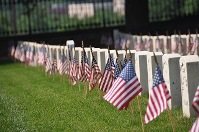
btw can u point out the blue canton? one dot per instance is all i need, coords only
(112, 61)
(117, 69)
(158, 78)
(48, 55)
(128, 72)
(85, 58)
(125, 62)
(107, 65)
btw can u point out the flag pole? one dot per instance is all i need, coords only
(168, 110)
(61, 76)
(83, 64)
(64, 74)
(69, 58)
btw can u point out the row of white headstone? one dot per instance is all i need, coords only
(181, 73)
(168, 44)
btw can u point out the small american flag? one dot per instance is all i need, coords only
(48, 62)
(17, 53)
(195, 45)
(95, 74)
(73, 71)
(125, 62)
(12, 51)
(176, 43)
(107, 78)
(190, 43)
(181, 46)
(86, 66)
(32, 54)
(23, 57)
(62, 65)
(112, 65)
(195, 102)
(117, 69)
(82, 75)
(41, 57)
(159, 95)
(54, 67)
(124, 89)
(195, 127)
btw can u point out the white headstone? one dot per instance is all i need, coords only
(171, 73)
(189, 81)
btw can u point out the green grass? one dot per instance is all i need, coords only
(32, 101)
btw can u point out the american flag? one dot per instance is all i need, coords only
(181, 46)
(124, 89)
(12, 52)
(82, 75)
(190, 43)
(41, 57)
(107, 78)
(32, 54)
(195, 45)
(195, 127)
(23, 57)
(86, 66)
(159, 95)
(195, 102)
(54, 67)
(28, 54)
(17, 53)
(117, 69)
(48, 62)
(62, 65)
(112, 65)
(95, 74)
(148, 43)
(73, 71)
(176, 43)
(168, 43)
(125, 62)
(158, 44)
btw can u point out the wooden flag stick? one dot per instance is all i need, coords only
(138, 99)
(131, 108)
(171, 119)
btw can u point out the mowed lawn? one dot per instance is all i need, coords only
(32, 101)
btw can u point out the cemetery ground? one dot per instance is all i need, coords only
(32, 101)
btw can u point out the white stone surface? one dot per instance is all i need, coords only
(102, 58)
(141, 69)
(171, 73)
(189, 82)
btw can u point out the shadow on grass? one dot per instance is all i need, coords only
(6, 60)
